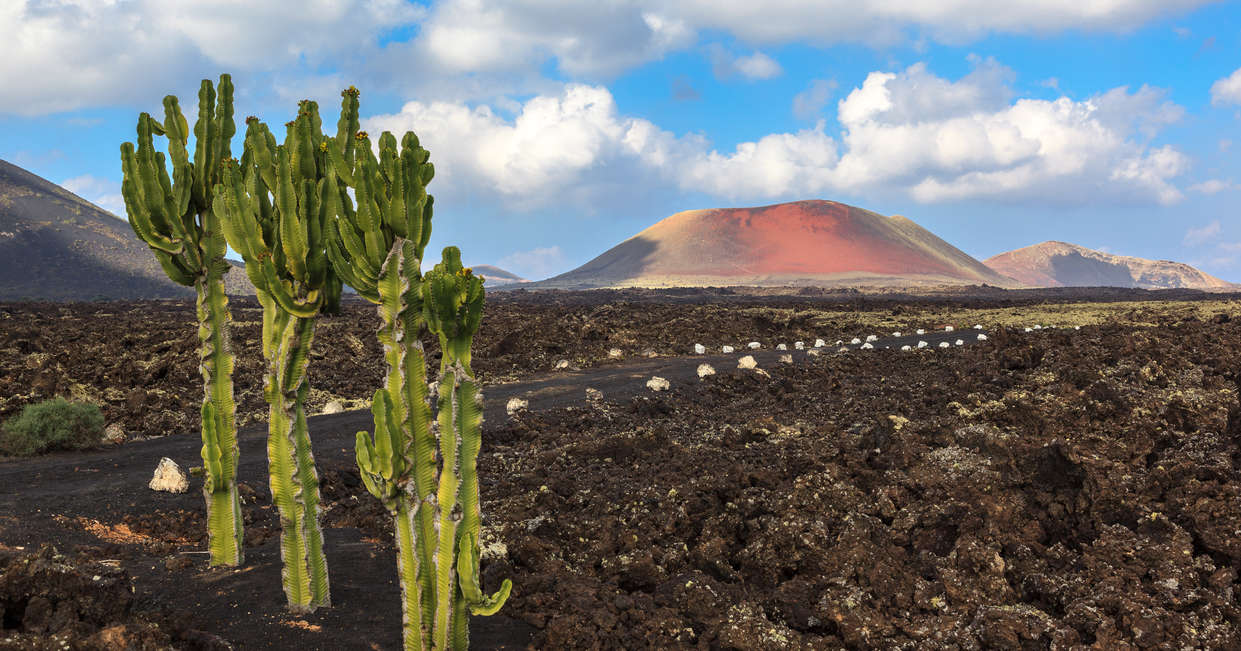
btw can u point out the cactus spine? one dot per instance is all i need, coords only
(283, 244)
(378, 251)
(176, 219)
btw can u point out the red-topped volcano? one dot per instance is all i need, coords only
(800, 243)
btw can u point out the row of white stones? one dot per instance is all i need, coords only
(700, 349)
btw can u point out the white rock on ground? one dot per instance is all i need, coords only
(799, 345)
(114, 434)
(867, 346)
(1038, 327)
(920, 331)
(949, 328)
(842, 349)
(839, 342)
(562, 364)
(705, 369)
(960, 342)
(727, 349)
(786, 359)
(923, 344)
(977, 326)
(906, 347)
(944, 344)
(982, 337)
(1077, 327)
(1029, 329)
(855, 340)
(896, 334)
(819, 343)
(515, 405)
(872, 337)
(747, 362)
(657, 383)
(781, 347)
(754, 345)
(333, 407)
(169, 477)
(700, 349)
(615, 353)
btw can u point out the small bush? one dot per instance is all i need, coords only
(55, 424)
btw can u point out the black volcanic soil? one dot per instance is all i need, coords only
(1052, 489)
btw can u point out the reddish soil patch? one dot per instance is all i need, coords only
(1037, 490)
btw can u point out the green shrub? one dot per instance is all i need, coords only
(55, 424)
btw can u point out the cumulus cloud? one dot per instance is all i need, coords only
(101, 51)
(910, 132)
(1227, 90)
(102, 192)
(810, 102)
(1202, 234)
(726, 65)
(535, 264)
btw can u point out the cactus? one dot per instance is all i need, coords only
(284, 245)
(176, 219)
(378, 251)
(453, 308)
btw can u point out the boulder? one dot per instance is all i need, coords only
(169, 477)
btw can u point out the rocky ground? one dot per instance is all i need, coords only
(1057, 488)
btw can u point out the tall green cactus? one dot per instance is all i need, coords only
(283, 242)
(453, 307)
(378, 251)
(176, 219)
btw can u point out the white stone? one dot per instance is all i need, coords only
(839, 342)
(705, 369)
(867, 346)
(169, 477)
(948, 328)
(923, 344)
(727, 349)
(1038, 327)
(700, 349)
(977, 327)
(896, 334)
(872, 337)
(615, 353)
(781, 347)
(906, 347)
(657, 383)
(819, 343)
(754, 345)
(842, 349)
(799, 345)
(920, 331)
(562, 364)
(1029, 329)
(944, 344)
(1077, 327)
(855, 340)
(960, 342)
(786, 359)
(333, 407)
(515, 405)
(982, 337)
(747, 362)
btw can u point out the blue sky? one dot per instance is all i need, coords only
(560, 128)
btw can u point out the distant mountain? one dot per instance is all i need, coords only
(1060, 264)
(494, 276)
(806, 243)
(55, 245)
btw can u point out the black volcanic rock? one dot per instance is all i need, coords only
(56, 246)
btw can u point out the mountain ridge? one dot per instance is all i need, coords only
(1055, 263)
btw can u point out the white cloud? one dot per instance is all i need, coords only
(1211, 186)
(810, 102)
(1202, 234)
(724, 65)
(535, 264)
(1227, 90)
(102, 192)
(90, 52)
(909, 132)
